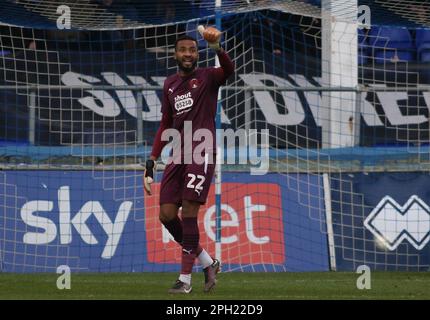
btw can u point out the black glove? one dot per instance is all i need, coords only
(148, 176)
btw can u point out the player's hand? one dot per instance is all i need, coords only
(211, 35)
(148, 176)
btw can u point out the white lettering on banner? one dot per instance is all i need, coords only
(295, 113)
(313, 98)
(293, 116)
(249, 209)
(320, 115)
(389, 102)
(109, 108)
(426, 95)
(49, 227)
(209, 223)
(126, 97)
(389, 99)
(128, 100)
(369, 114)
(113, 230)
(151, 98)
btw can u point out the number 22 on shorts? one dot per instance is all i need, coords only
(198, 187)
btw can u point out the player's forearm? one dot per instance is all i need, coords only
(225, 62)
(158, 145)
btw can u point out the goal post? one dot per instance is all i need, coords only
(339, 54)
(218, 167)
(340, 110)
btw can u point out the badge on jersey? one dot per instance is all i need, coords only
(194, 83)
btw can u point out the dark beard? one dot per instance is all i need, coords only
(184, 69)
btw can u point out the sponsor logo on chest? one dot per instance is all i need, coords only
(184, 102)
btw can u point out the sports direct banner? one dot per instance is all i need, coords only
(110, 116)
(382, 220)
(101, 221)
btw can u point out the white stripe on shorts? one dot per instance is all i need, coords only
(206, 162)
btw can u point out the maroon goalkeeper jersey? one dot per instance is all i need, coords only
(192, 98)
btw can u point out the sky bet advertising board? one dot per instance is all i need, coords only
(102, 222)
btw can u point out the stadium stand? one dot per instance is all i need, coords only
(391, 44)
(422, 41)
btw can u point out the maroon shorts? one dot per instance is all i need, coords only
(186, 182)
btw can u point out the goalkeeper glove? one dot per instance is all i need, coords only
(148, 177)
(214, 45)
(211, 35)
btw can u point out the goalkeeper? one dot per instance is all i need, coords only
(189, 95)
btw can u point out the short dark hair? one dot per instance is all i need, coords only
(184, 37)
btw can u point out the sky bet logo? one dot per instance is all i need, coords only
(45, 231)
(393, 223)
(251, 221)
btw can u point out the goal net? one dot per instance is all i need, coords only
(325, 114)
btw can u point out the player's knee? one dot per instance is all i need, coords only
(167, 213)
(163, 217)
(166, 216)
(190, 209)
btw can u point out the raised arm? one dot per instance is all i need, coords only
(213, 37)
(226, 67)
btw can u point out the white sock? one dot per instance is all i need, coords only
(205, 259)
(186, 278)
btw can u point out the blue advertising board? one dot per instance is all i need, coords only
(98, 221)
(382, 220)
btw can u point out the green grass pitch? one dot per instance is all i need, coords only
(237, 286)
